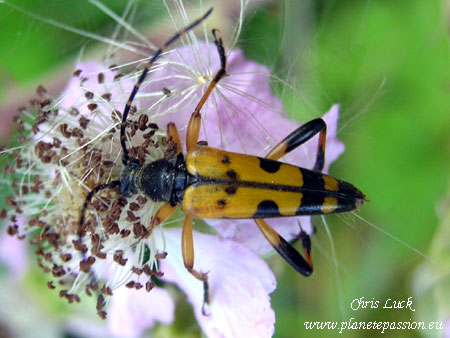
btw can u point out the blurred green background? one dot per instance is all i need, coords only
(385, 62)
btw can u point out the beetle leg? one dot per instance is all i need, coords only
(193, 130)
(306, 243)
(300, 136)
(81, 230)
(172, 133)
(187, 249)
(289, 143)
(161, 215)
(287, 251)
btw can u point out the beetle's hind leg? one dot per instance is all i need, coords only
(286, 250)
(306, 244)
(301, 264)
(299, 136)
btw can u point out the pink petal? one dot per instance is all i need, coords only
(134, 311)
(182, 72)
(240, 284)
(446, 333)
(13, 252)
(238, 101)
(75, 95)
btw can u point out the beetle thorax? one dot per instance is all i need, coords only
(163, 180)
(155, 180)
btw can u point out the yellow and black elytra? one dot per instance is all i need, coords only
(212, 183)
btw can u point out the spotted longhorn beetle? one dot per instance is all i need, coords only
(212, 183)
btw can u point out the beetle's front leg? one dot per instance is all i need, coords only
(163, 213)
(172, 134)
(193, 130)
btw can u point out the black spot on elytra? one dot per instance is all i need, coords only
(267, 209)
(221, 202)
(269, 166)
(226, 159)
(230, 190)
(232, 174)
